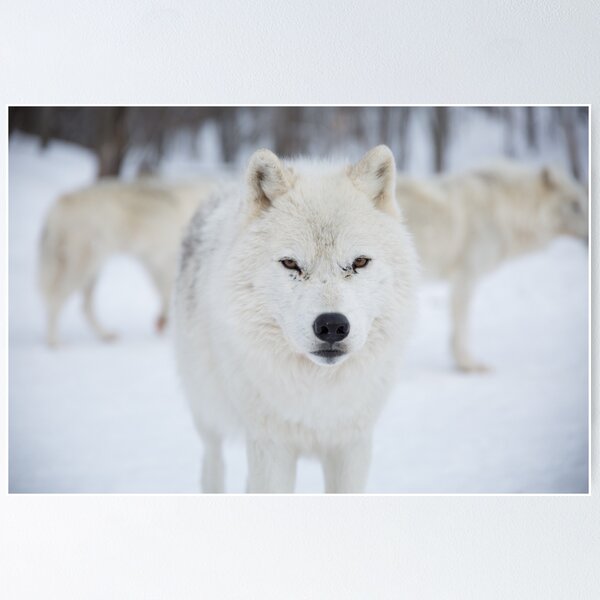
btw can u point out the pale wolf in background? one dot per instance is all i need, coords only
(292, 301)
(85, 228)
(466, 225)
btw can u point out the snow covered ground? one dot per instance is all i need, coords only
(111, 418)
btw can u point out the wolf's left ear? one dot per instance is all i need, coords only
(375, 175)
(267, 178)
(546, 176)
(550, 177)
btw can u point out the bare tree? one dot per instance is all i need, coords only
(229, 131)
(111, 140)
(46, 125)
(288, 138)
(385, 113)
(531, 132)
(509, 131)
(403, 130)
(439, 121)
(568, 123)
(356, 118)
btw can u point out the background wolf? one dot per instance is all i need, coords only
(466, 225)
(85, 228)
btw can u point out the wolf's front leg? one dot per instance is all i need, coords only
(271, 467)
(162, 275)
(461, 295)
(88, 309)
(213, 468)
(346, 467)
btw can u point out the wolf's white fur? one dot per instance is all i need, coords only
(466, 225)
(243, 322)
(86, 227)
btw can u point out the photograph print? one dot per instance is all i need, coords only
(309, 299)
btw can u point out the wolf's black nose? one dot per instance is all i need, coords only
(331, 327)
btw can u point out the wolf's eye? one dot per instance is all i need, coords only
(289, 263)
(360, 262)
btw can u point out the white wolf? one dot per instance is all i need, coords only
(465, 225)
(86, 227)
(292, 301)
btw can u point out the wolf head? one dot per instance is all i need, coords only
(324, 264)
(568, 201)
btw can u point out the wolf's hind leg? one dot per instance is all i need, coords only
(88, 309)
(163, 280)
(213, 467)
(53, 307)
(462, 293)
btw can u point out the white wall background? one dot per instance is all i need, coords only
(298, 547)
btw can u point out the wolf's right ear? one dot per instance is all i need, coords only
(267, 178)
(547, 177)
(375, 175)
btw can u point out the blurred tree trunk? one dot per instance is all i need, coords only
(288, 140)
(405, 115)
(509, 131)
(384, 125)
(15, 120)
(111, 140)
(46, 125)
(159, 137)
(531, 127)
(440, 129)
(358, 129)
(229, 134)
(554, 123)
(569, 126)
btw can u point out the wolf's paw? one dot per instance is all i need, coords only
(472, 366)
(161, 323)
(109, 337)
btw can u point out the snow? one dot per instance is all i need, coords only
(91, 417)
